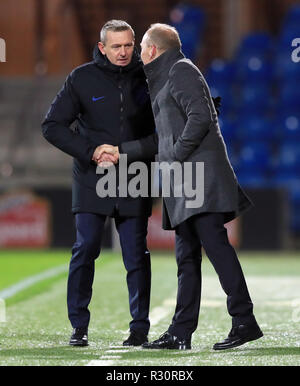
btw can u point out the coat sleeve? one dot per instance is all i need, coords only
(143, 148)
(188, 90)
(56, 127)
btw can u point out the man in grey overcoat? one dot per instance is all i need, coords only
(189, 135)
(188, 132)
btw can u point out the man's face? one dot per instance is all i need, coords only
(145, 51)
(118, 47)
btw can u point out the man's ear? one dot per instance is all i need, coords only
(153, 52)
(101, 48)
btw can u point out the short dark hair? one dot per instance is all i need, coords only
(115, 26)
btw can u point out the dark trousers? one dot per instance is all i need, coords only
(132, 232)
(207, 230)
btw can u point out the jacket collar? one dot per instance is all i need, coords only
(102, 62)
(157, 71)
(161, 66)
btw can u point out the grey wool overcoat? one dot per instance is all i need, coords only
(188, 132)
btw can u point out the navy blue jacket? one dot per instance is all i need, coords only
(109, 104)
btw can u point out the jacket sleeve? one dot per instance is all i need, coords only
(56, 127)
(188, 90)
(143, 148)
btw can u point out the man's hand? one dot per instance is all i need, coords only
(106, 155)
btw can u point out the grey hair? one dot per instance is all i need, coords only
(163, 36)
(115, 26)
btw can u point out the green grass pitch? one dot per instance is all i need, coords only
(37, 330)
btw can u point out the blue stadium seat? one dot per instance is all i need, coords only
(289, 157)
(250, 179)
(289, 126)
(289, 95)
(247, 87)
(256, 128)
(246, 110)
(284, 67)
(282, 178)
(232, 155)
(254, 69)
(189, 21)
(286, 37)
(292, 18)
(220, 72)
(254, 98)
(255, 93)
(255, 157)
(228, 129)
(255, 44)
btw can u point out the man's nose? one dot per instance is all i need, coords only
(123, 51)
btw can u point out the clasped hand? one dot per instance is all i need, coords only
(106, 155)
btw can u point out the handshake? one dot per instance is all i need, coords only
(106, 155)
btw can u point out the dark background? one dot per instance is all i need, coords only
(243, 47)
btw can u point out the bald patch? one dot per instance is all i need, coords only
(163, 36)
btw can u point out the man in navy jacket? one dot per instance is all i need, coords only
(109, 101)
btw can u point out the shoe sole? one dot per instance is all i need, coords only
(132, 345)
(252, 338)
(78, 344)
(167, 348)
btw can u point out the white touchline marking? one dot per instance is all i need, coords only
(156, 315)
(213, 303)
(116, 347)
(100, 363)
(213, 297)
(29, 281)
(160, 312)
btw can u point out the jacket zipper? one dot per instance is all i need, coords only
(121, 130)
(121, 109)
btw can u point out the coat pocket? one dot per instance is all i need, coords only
(166, 148)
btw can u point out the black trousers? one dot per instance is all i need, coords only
(132, 232)
(207, 230)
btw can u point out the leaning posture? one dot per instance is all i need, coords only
(188, 131)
